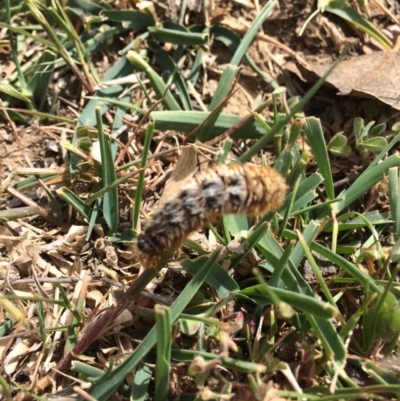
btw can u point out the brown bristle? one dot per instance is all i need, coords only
(202, 198)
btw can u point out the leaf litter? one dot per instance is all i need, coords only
(375, 76)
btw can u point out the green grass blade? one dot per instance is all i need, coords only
(307, 191)
(164, 344)
(120, 69)
(315, 135)
(5, 389)
(384, 152)
(179, 37)
(316, 271)
(18, 213)
(251, 241)
(373, 218)
(49, 45)
(285, 158)
(230, 72)
(218, 278)
(275, 256)
(365, 182)
(54, 205)
(232, 41)
(11, 91)
(394, 199)
(39, 84)
(84, 8)
(169, 66)
(301, 302)
(277, 127)
(186, 355)
(222, 91)
(75, 201)
(250, 34)
(228, 37)
(187, 121)
(350, 268)
(103, 100)
(140, 184)
(236, 224)
(130, 19)
(110, 200)
(92, 198)
(353, 17)
(296, 258)
(157, 83)
(120, 115)
(141, 382)
(330, 339)
(290, 276)
(105, 388)
(280, 266)
(382, 375)
(94, 217)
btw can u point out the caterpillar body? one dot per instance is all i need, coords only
(225, 189)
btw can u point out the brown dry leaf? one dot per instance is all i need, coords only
(16, 355)
(100, 246)
(200, 239)
(185, 166)
(123, 319)
(71, 243)
(64, 265)
(80, 291)
(236, 247)
(26, 253)
(109, 273)
(267, 392)
(374, 75)
(96, 296)
(219, 14)
(4, 347)
(111, 258)
(74, 240)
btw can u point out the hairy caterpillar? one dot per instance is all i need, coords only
(202, 198)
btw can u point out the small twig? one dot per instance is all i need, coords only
(346, 180)
(46, 280)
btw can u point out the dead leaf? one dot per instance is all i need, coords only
(64, 265)
(374, 76)
(236, 247)
(111, 258)
(123, 319)
(109, 273)
(185, 166)
(15, 356)
(96, 296)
